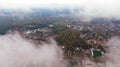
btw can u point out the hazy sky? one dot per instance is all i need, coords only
(103, 8)
(26, 3)
(19, 3)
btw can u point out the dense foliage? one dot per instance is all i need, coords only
(59, 28)
(71, 40)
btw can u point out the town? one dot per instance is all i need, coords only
(93, 36)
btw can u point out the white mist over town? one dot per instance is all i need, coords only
(59, 33)
(15, 51)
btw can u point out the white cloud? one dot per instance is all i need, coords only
(15, 51)
(102, 8)
(94, 8)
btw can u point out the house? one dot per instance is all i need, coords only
(96, 52)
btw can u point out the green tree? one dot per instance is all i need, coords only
(71, 40)
(59, 28)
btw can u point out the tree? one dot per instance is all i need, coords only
(71, 40)
(59, 28)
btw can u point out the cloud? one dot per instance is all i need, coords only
(91, 8)
(113, 55)
(101, 8)
(15, 51)
(110, 59)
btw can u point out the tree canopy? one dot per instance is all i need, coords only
(70, 39)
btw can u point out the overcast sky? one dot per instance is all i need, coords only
(105, 8)
(18, 3)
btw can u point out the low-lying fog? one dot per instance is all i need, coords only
(110, 59)
(15, 51)
(18, 52)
